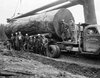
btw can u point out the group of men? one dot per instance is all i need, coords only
(36, 43)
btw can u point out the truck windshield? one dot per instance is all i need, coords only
(92, 31)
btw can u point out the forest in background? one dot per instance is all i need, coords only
(2, 32)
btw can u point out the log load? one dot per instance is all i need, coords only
(47, 22)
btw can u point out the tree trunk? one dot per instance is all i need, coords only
(41, 23)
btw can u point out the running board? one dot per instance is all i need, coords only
(89, 53)
(67, 43)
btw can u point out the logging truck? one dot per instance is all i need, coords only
(87, 36)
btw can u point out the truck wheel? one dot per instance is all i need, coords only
(53, 51)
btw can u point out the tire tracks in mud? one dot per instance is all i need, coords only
(62, 64)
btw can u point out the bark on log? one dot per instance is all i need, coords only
(41, 23)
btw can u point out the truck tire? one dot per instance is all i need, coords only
(53, 51)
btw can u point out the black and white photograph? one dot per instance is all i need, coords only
(49, 38)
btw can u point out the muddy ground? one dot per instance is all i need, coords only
(19, 64)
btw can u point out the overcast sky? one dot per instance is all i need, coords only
(8, 7)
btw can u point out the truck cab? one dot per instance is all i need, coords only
(91, 39)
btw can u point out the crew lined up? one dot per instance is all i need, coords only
(33, 43)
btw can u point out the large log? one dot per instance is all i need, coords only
(47, 22)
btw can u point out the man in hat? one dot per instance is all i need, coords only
(13, 41)
(26, 42)
(21, 40)
(65, 31)
(16, 41)
(74, 31)
(31, 43)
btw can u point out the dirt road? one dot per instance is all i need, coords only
(14, 67)
(19, 64)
